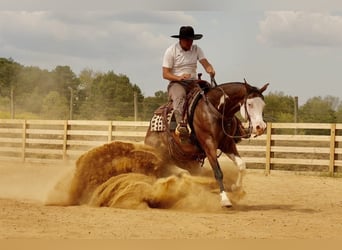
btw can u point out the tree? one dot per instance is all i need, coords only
(339, 114)
(279, 108)
(9, 71)
(110, 96)
(67, 85)
(33, 85)
(150, 104)
(318, 110)
(55, 106)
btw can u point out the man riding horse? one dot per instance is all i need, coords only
(209, 111)
(179, 67)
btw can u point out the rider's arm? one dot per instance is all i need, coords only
(167, 74)
(208, 67)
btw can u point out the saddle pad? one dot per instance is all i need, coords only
(157, 123)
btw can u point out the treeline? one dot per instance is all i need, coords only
(32, 93)
(284, 108)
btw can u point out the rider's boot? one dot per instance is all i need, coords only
(182, 129)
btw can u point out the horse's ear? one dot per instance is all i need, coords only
(246, 83)
(264, 88)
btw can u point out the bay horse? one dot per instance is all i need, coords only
(211, 114)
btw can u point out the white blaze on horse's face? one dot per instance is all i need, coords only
(255, 108)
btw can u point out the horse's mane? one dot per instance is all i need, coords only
(231, 83)
(249, 88)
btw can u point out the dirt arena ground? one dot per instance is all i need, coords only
(279, 206)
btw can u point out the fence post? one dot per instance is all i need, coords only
(23, 141)
(65, 139)
(268, 148)
(110, 130)
(332, 149)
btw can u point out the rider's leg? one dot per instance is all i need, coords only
(177, 94)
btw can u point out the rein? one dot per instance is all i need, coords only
(213, 82)
(248, 119)
(225, 119)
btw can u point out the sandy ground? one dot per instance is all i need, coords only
(279, 206)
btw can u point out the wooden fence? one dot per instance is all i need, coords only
(55, 140)
(285, 146)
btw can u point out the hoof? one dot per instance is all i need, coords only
(226, 203)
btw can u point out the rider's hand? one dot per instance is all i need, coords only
(184, 77)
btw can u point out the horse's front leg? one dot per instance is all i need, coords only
(225, 202)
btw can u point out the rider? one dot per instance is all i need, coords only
(179, 67)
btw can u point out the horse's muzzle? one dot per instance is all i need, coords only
(260, 129)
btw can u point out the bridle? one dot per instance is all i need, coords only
(250, 128)
(222, 115)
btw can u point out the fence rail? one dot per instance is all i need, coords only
(286, 146)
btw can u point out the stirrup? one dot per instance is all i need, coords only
(182, 130)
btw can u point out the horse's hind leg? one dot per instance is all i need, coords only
(241, 165)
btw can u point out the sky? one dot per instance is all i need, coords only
(295, 45)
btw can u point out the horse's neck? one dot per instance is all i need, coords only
(233, 93)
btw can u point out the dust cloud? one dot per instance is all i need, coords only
(29, 181)
(135, 176)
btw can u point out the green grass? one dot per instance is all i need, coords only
(22, 115)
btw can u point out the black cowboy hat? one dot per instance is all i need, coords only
(187, 32)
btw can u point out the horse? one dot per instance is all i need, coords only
(212, 119)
